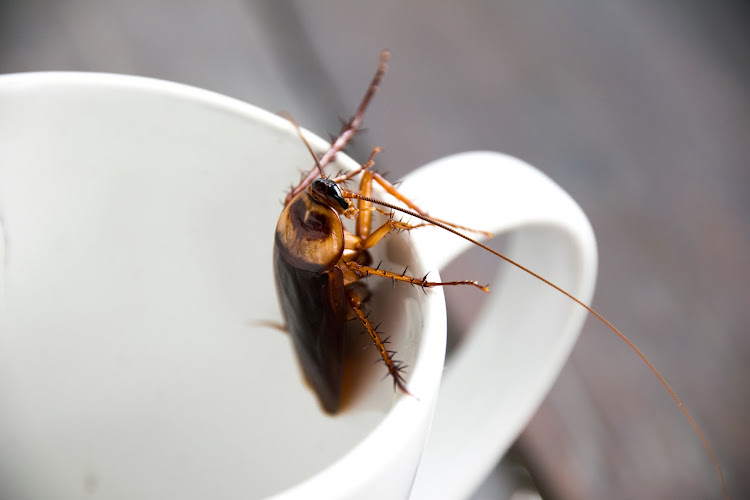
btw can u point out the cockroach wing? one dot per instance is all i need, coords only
(309, 243)
(314, 308)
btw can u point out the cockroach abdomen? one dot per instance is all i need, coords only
(314, 308)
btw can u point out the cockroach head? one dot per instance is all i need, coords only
(329, 193)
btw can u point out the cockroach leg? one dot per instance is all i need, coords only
(368, 164)
(395, 367)
(391, 189)
(378, 234)
(271, 324)
(365, 236)
(348, 131)
(363, 271)
(364, 218)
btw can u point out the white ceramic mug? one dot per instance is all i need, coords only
(137, 222)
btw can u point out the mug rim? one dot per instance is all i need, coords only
(408, 418)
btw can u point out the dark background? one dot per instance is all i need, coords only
(638, 108)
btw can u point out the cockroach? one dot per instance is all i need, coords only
(319, 266)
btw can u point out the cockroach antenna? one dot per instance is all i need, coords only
(317, 264)
(622, 336)
(307, 144)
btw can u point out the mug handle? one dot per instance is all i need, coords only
(480, 411)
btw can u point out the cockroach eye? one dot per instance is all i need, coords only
(328, 192)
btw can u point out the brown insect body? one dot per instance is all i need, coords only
(318, 266)
(318, 263)
(309, 245)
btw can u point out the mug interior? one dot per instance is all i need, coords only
(136, 286)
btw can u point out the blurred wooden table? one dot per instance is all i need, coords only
(639, 110)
